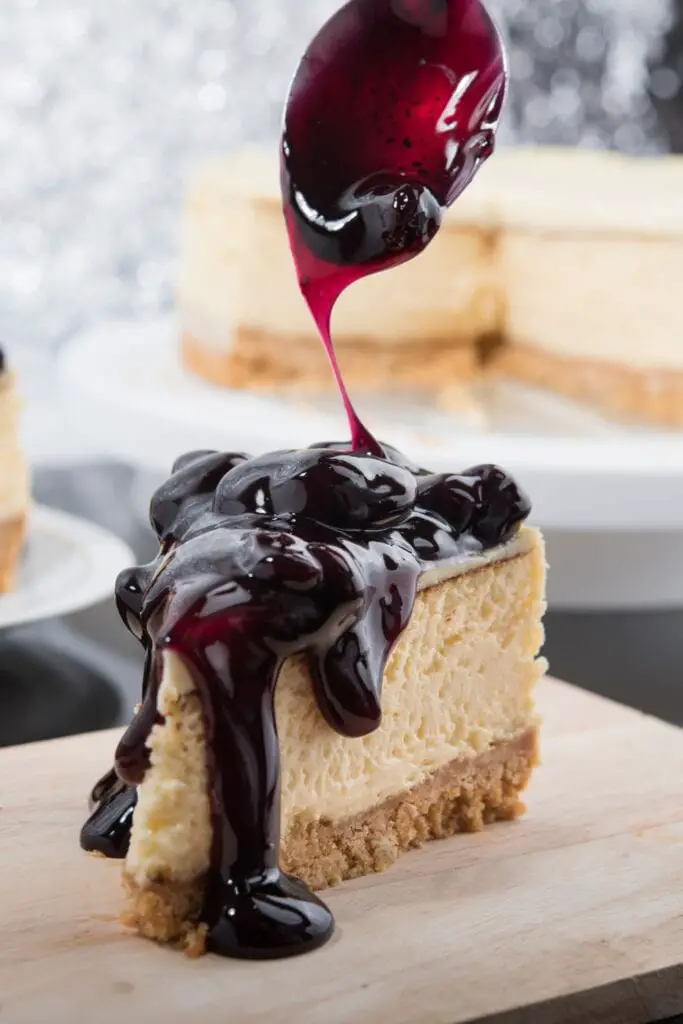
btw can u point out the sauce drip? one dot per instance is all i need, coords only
(391, 113)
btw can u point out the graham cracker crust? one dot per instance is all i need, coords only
(255, 359)
(462, 796)
(11, 540)
(650, 394)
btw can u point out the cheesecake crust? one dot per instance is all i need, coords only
(462, 796)
(651, 394)
(11, 540)
(256, 359)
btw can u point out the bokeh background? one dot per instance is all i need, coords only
(105, 106)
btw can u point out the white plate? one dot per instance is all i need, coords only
(68, 564)
(585, 474)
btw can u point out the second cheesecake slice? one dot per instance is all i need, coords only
(341, 656)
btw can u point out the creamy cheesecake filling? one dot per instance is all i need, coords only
(14, 486)
(604, 298)
(12, 532)
(588, 192)
(588, 251)
(14, 476)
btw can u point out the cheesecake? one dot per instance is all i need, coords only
(341, 655)
(13, 481)
(556, 268)
(455, 750)
(245, 324)
(588, 254)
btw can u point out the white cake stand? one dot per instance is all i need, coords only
(610, 499)
(68, 564)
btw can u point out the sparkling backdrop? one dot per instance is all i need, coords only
(105, 105)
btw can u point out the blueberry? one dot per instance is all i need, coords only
(195, 476)
(285, 560)
(130, 588)
(500, 505)
(268, 484)
(357, 492)
(449, 496)
(391, 454)
(189, 457)
(338, 489)
(387, 214)
(399, 459)
(333, 446)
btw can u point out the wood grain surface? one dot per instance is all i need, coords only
(573, 914)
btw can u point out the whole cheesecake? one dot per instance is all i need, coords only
(341, 657)
(556, 268)
(14, 493)
(244, 322)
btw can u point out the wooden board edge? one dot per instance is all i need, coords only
(647, 998)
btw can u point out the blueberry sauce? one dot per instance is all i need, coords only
(391, 113)
(314, 552)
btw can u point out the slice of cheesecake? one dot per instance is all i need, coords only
(13, 481)
(456, 747)
(341, 655)
(245, 324)
(589, 253)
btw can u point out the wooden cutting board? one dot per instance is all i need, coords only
(574, 913)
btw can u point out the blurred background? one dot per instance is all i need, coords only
(105, 108)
